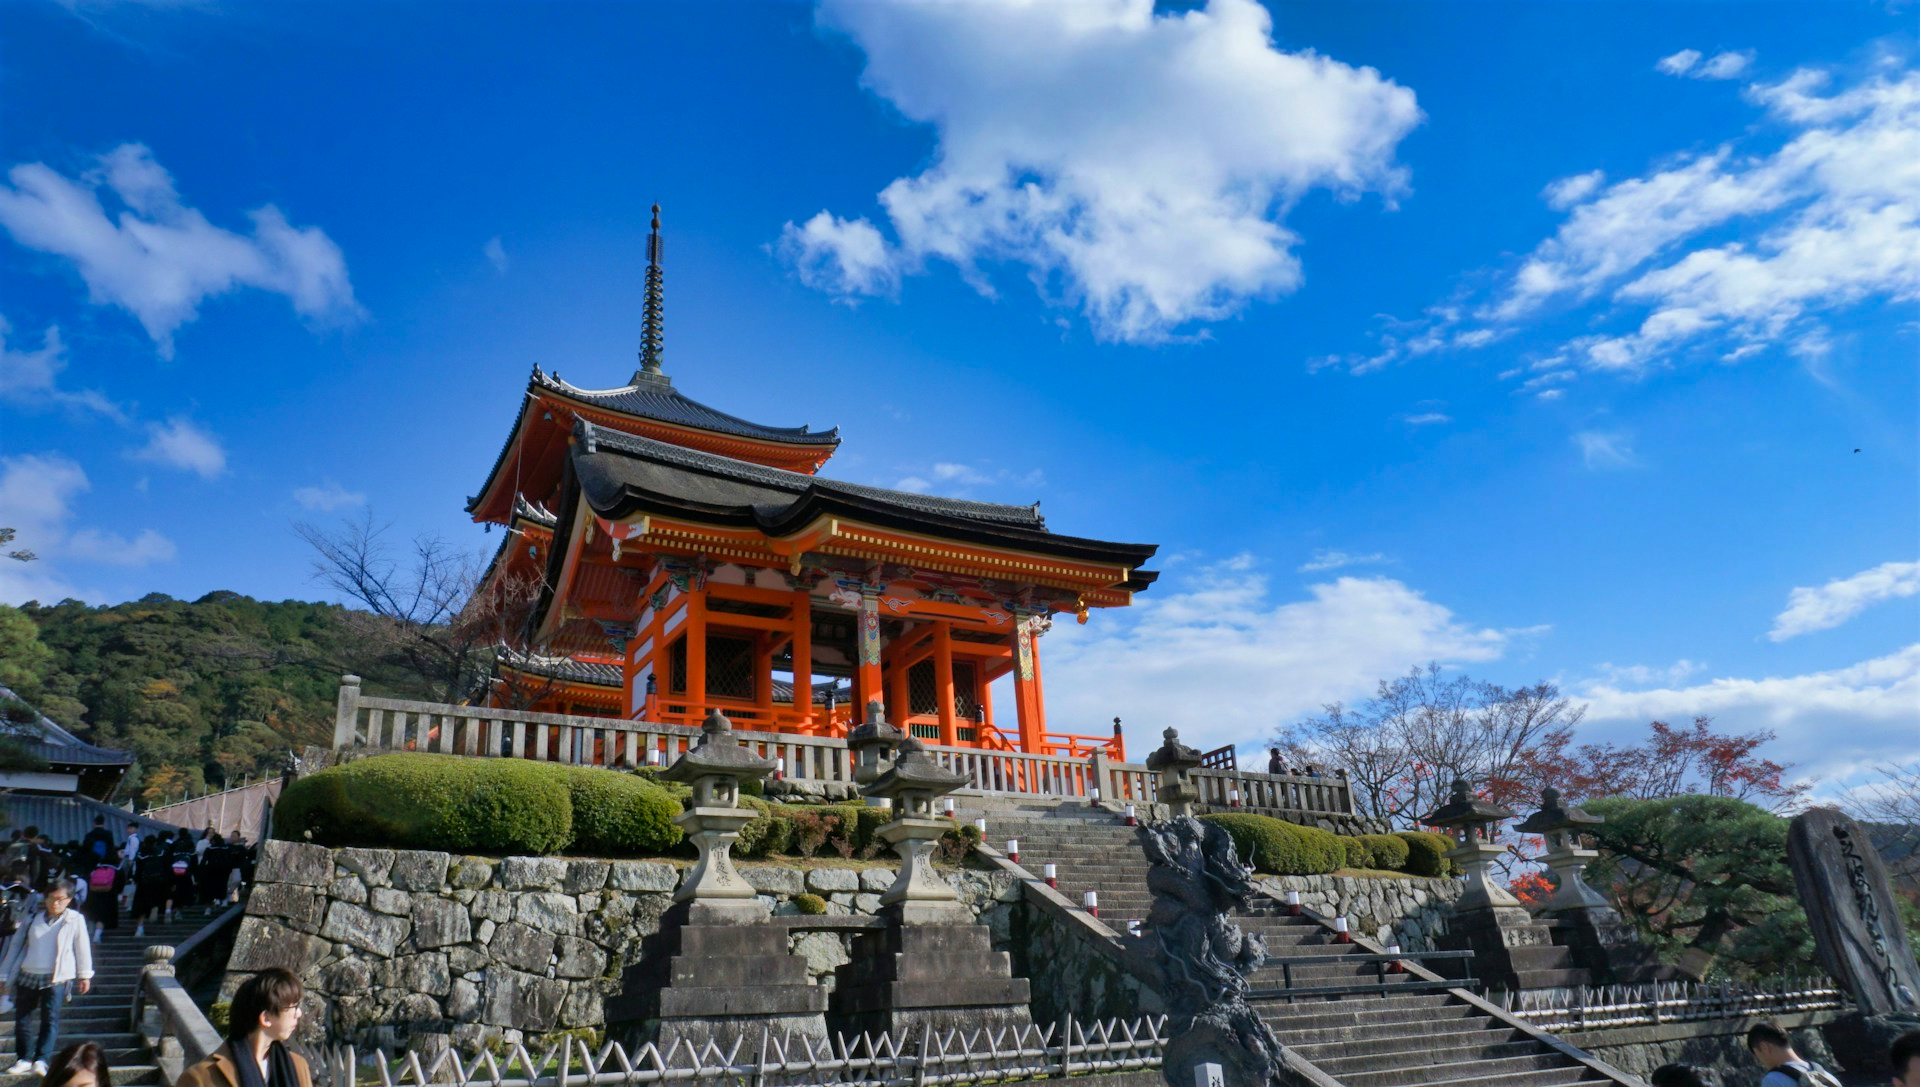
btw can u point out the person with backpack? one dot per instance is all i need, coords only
(181, 862)
(1785, 1068)
(102, 905)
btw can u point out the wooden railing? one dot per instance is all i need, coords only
(365, 723)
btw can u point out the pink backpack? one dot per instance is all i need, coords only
(101, 878)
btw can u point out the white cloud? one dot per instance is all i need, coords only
(327, 497)
(180, 443)
(1728, 65)
(1828, 219)
(1641, 675)
(1225, 661)
(961, 480)
(31, 378)
(1334, 560)
(1601, 450)
(159, 259)
(1723, 65)
(37, 496)
(849, 259)
(1139, 165)
(92, 545)
(1828, 606)
(1426, 418)
(1834, 726)
(496, 254)
(1569, 191)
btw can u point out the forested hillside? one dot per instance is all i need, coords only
(202, 692)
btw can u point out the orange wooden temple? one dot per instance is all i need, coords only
(674, 558)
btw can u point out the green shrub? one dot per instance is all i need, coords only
(1386, 852)
(810, 904)
(1427, 853)
(1281, 848)
(766, 833)
(441, 802)
(1358, 855)
(615, 814)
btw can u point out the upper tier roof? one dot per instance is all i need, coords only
(623, 474)
(652, 396)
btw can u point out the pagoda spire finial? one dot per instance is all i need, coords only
(652, 334)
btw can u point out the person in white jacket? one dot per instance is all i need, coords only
(51, 958)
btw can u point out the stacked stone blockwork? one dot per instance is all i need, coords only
(402, 947)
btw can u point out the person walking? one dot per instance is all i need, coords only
(54, 958)
(152, 880)
(263, 1016)
(1785, 1068)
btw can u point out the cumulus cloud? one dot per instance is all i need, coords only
(1226, 660)
(496, 254)
(37, 496)
(1334, 560)
(159, 259)
(180, 443)
(31, 378)
(1138, 165)
(1601, 450)
(1835, 726)
(328, 497)
(1828, 219)
(1829, 605)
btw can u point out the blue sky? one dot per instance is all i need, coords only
(1533, 339)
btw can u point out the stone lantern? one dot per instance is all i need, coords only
(1175, 762)
(715, 767)
(872, 742)
(1474, 825)
(914, 781)
(1562, 827)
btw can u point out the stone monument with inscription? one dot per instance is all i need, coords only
(1858, 935)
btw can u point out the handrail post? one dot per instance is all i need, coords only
(345, 723)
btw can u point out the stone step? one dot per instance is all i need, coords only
(1412, 1037)
(1378, 1055)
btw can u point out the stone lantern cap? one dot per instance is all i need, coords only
(718, 753)
(1173, 754)
(874, 731)
(1464, 809)
(915, 771)
(1553, 817)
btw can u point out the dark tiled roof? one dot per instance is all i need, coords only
(47, 740)
(524, 510)
(777, 486)
(568, 669)
(66, 819)
(654, 397)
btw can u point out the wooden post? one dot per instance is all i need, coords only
(696, 626)
(803, 660)
(867, 638)
(1025, 690)
(943, 680)
(346, 711)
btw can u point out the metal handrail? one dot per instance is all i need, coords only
(1379, 962)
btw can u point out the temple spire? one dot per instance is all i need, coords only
(651, 325)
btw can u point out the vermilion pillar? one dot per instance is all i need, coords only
(868, 636)
(943, 680)
(1026, 690)
(803, 658)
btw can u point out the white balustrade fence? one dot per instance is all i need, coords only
(1594, 1008)
(366, 723)
(954, 1058)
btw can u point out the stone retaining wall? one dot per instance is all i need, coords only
(1406, 911)
(1718, 1045)
(402, 947)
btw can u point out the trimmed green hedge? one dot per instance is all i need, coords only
(454, 804)
(1386, 852)
(1282, 848)
(1427, 853)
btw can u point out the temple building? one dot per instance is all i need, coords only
(663, 558)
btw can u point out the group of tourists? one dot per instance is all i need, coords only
(263, 1016)
(58, 903)
(1783, 1066)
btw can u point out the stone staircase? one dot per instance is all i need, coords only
(1424, 1037)
(102, 1015)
